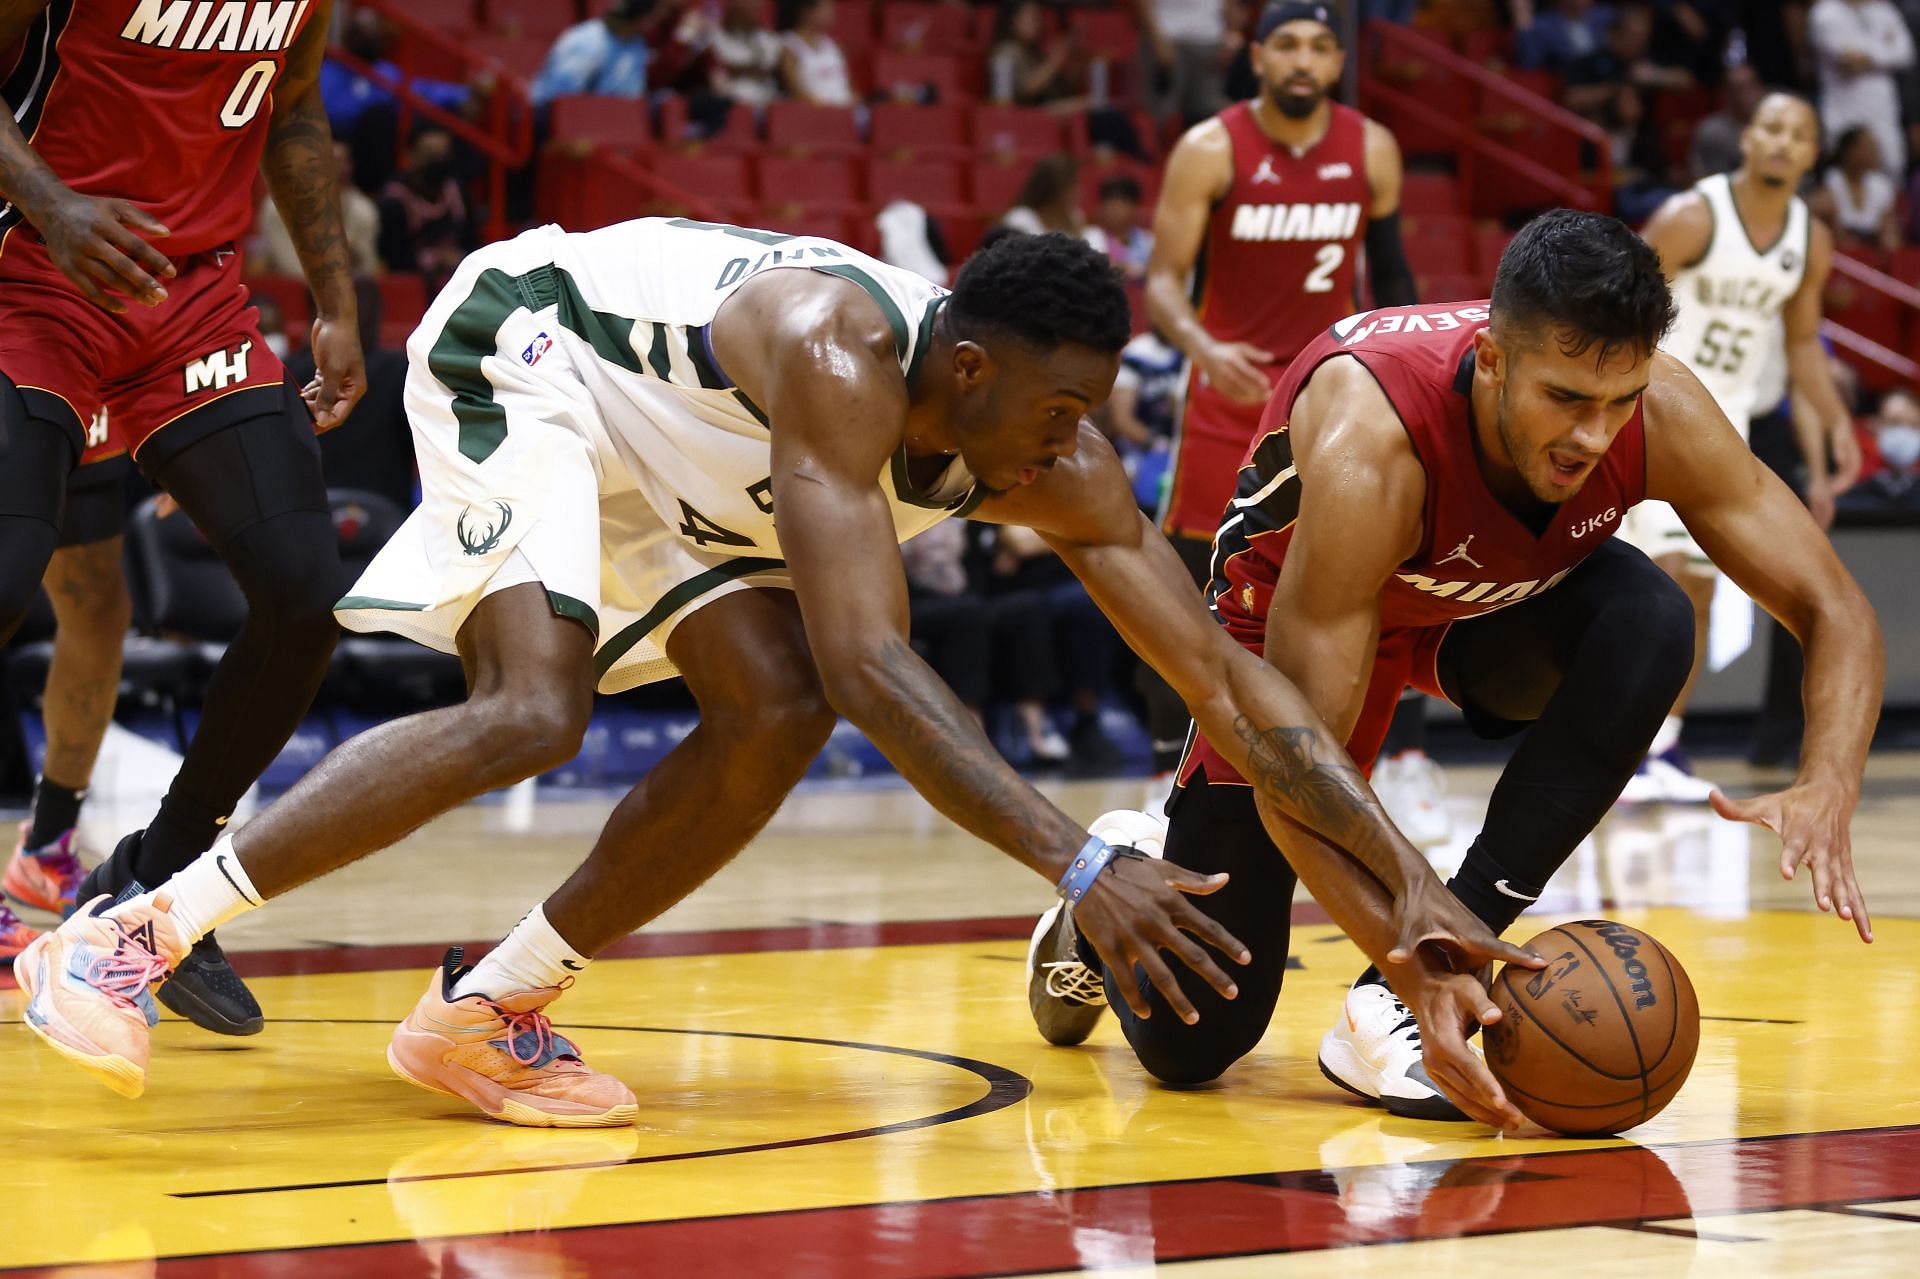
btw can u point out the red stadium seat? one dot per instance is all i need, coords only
(289, 293)
(1439, 246)
(403, 300)
(1429, 194)
(1491, 46)
(1441, 287)
(927, 182)
(542, 18)
(1440, 93)
(720, 181)
(939, 28)
(853, 27)
(448, 17)
(962, 232)
(1490, 240)
(994, 187)
(1015, 131)
(921, 77)
(1113, 34)
(621, 123)
(828, 226)
(815, 186)
(801, 128)
(677, 129)
(904, 131)
(519, 56)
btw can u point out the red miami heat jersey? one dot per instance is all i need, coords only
(1284, 241)
(1475, 555)
(1276, 268)
(163, 103)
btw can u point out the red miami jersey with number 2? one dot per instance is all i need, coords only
(163, 103)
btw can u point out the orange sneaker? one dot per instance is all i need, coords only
(46, 878)
(87, 987)
(15, 934)
(503, 1056)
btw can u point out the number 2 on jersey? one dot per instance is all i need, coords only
(248, 93)
(1325, 263)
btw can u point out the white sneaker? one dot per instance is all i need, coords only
(1666, 779)
(1373, 1051)
(1050, 747)
(1065, 995)
(1413, 790)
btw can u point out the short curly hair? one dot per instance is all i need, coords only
(1044, 291)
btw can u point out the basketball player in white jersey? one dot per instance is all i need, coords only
(673, 447)
(1747, 262)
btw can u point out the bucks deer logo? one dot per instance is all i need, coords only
(479, 539)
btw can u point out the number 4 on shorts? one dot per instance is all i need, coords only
(701, 531)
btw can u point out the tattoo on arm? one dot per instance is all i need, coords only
(25, 179)
(1328, 796)
(937, 745)
(299, 169)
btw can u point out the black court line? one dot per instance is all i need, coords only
(1676, 1232)
(1004, 1088)
(1849, 1210)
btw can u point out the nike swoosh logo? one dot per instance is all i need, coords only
(220, 863)
(1500, 886)
(572, 967)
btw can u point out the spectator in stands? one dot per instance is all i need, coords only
(605, 55)
(1049, 200)
(1624, 58)
(911, 240)
(1892, 483)
(1139, 415)
(746, 55)
(1560, 35)
(364, 111)
(1861, 45)
(1856, 197)
(1116, 230)
(1716, 140)
(1187, 48)
(1639, 162)
(425, 224)
(812, 66)
(1023, 71)
(359, 216)
(1694, 34)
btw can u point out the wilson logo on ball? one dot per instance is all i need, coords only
(1626, 946)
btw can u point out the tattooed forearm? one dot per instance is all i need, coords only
(934, 741)
(1316, 785)
(25, 180)
(299, 168)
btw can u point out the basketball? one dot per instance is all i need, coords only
(1599, 1040)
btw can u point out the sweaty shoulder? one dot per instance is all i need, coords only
(1687, 436)
(1201, 163)
(1680, 231)
(1345, 430)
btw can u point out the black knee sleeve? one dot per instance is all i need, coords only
(36, 457)
(1217, 828)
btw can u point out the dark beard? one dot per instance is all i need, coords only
(1296, 108)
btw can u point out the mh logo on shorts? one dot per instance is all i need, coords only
(535, 349)
(97, 432)
(218, 370)
(482, 538)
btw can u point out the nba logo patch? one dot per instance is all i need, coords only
(535, 349)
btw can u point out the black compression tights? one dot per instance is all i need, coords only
(36, 457)
(1587, 670)
(256, 491)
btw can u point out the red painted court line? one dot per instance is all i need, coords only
(731, 941)
(1189, 1220)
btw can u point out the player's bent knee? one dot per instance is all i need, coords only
(1183, 1056)
(1652, 628)
(515, 735)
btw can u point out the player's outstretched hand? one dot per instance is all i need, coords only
(1137, 908)
(339, 374)
(1813, 822)
(1235, 369)
(1445, 1004)
(1431, 926)
(93, 241)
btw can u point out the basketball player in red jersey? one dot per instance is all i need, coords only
(1430, 503)
(130, 133)
(1263, 216)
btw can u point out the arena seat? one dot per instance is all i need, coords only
(853, 28)
(518, 55)
(813, 186)
(926, 182)
(449, 17)
(803, 128)
(721, 181)
(1428, 194)
(994, 187)
(737, 133)
(1014, 131)
(620, 123)
(902, 130)
(289, 293)
(921, 77)
(927, 28)
(535, 18)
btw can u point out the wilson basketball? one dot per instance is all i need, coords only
(1599, 1040)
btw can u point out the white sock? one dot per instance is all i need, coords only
(212, 890)
(1668, 737)
(532, 957)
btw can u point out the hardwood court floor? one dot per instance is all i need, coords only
(838, 1076)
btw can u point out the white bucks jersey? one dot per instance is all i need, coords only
(635, 302)
(1729, 330)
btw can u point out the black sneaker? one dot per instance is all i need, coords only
(207, 992)
(204, 988)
